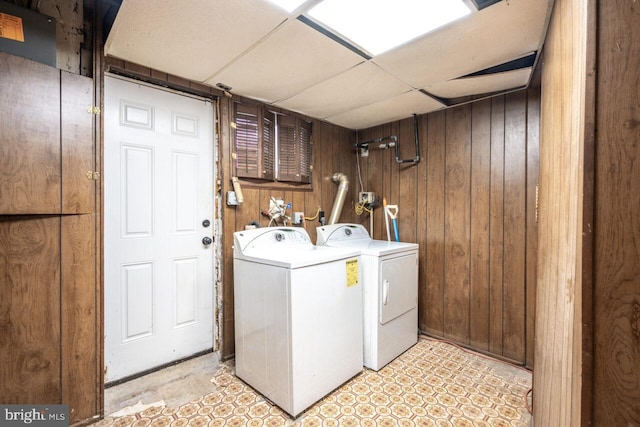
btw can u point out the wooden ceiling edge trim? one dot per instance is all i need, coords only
(149, 75)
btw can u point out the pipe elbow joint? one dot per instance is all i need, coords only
(340, 178)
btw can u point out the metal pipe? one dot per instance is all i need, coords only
(387, 142)
(416, 159)
(365, 144)
(343, 186)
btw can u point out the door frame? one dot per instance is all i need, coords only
(217, 210)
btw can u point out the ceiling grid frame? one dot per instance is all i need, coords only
(262, 52)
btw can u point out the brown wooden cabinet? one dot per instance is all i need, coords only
(46, 143)
(77, 145)
(30, 309)
(49, 293)
(30, 137)
(80, 339)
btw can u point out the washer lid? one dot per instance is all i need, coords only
(382, 247)
(288, 247)
(356, 236)
(265, 238)
(341, 233)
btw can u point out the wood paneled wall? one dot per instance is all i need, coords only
(470, 205)
(332, 152)
(563, 193)
(616, 291)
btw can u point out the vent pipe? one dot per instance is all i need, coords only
(343, 185)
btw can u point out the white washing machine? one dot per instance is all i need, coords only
(390, 285)
(298, 315)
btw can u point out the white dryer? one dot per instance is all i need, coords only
(390, 285)
(298, 315)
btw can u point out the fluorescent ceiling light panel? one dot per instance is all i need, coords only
(288, 5)
(378, 26)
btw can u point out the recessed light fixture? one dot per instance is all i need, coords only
(378, 26)
(288, 5)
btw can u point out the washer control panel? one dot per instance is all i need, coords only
(342, 232)
(269, 238)
(290, 236)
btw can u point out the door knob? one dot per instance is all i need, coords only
(207, 241)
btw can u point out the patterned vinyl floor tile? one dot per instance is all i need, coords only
(432, 384)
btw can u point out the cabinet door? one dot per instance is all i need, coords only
(79, 331)
(30, 310)
(78, 156)
(29, 137)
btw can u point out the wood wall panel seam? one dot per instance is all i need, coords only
(515, 226)
(434, 239)
(588, 262)
(456, 224)
(479, 226)
(496, 210)
(533, 149)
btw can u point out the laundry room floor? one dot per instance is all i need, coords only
(172, 386)
(432, 384)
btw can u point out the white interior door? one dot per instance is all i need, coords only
(158, 198)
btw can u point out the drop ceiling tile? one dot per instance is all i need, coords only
(388, 110)
(497, 34)
(361, 85)
(290, 60)
(191, 39)
(481, 84)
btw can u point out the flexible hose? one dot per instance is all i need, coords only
(343, 186)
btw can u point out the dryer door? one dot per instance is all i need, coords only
(398, 286)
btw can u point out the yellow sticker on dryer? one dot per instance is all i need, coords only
(352, 272)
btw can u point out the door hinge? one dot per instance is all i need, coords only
(93, 175)
(92, 109)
